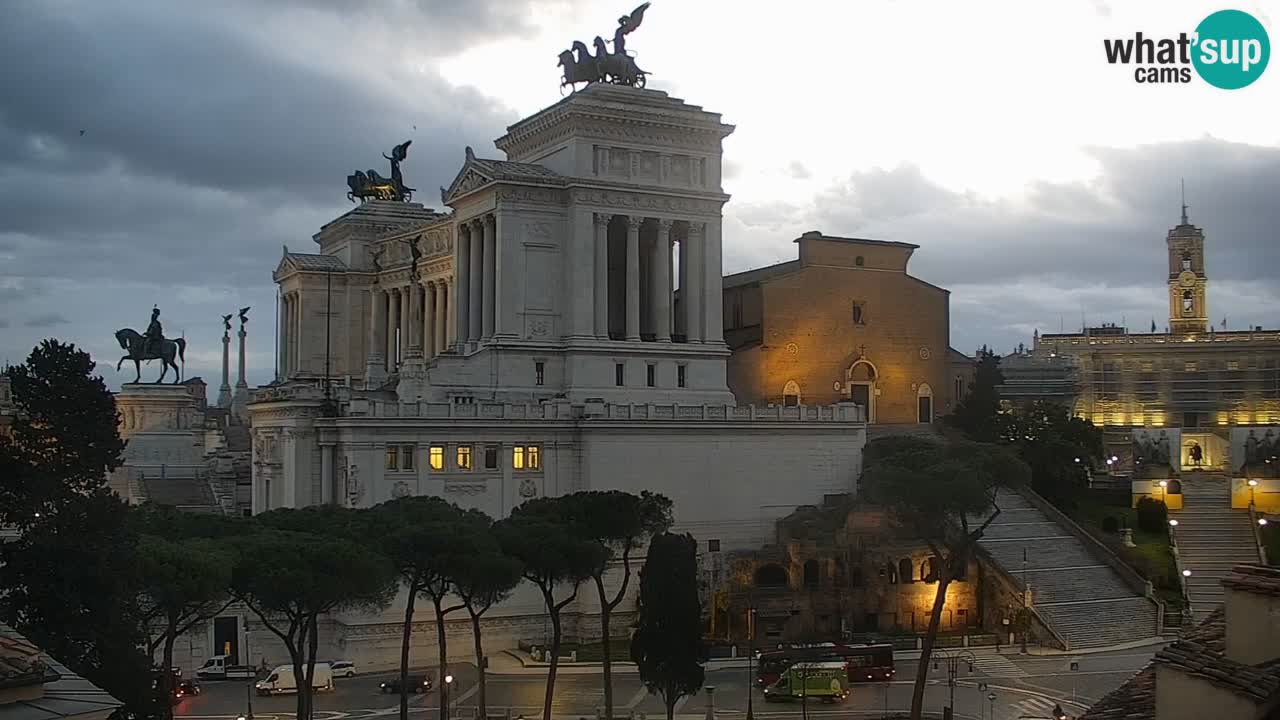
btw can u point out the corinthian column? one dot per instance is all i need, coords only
(224, 392)
(461, 286)
(475, 294)
(393, 324)
(660, 285)
(602, 276)
(429, 320)
(488, 224)
(375, 361)
(691, 296)
(633, 277)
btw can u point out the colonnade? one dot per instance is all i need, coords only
(410, 320)
(476, 273)
(291, 342)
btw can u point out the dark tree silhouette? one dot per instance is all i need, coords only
(667, 646)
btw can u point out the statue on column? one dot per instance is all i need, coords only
(151, 346)
(226, 325)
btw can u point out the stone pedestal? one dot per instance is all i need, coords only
(224, 392)
(163, 427)
(241, 398)
(412, 385)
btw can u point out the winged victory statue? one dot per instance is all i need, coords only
(617, 67)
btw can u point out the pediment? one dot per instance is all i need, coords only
(469, 178)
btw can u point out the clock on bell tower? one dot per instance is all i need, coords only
(1188, 312)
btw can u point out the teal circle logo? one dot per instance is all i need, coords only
(1232, 49)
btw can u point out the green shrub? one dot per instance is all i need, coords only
(1153, 516)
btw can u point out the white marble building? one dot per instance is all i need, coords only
(535, 348)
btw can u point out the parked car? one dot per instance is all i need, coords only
(343, 668)
(417, 684)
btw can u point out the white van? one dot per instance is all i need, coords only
(281, 680)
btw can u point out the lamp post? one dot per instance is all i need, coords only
(444, 697)
(1252, 484)
(751, 656)
(1173, 531)
(1164, 484)
(953, 661)
(991, 698)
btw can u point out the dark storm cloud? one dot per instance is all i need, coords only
(164, 152)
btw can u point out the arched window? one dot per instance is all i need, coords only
(791, 393)
(1186, 261)
(771, 576)
(924, 404)
(904, 570)
(811, 578)
(858, 261)
(862, 371)
(1188, 302)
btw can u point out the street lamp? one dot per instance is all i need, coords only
(953, 661)
(751, 657)
(1163, 485)
(1252, 484)
(444, 697)
(1262, 522)
(992, 699)
(1186, 573)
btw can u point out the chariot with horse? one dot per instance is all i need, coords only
(617, 67)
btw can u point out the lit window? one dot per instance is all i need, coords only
(618, 369)
(538, 373)
(650, 372)
(535, 457)
(680, 370)
(437, 457)
(393, 458)
(406, 457)
(491, 457)
(517, 457)
(464, 457)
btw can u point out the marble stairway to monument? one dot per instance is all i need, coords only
(1212, 538)
(1076, 593)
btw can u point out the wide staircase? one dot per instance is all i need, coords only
(1211, 537)
(191, 494)
(1078, 596)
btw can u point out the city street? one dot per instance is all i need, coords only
(1024, 687)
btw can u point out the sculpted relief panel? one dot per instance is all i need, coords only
(656, 203)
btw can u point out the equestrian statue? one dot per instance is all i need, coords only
(369, 185)
(617, 67)
(151, 346)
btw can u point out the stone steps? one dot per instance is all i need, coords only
(1074, 591)
(1212, 538)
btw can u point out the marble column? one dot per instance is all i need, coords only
(475, 289)
(224, 392)
(406, 321)
(461, 286)
(282, 321)
(713, 284)
(298, 347)
(602, 275)
(328, 482)
(414, 348)
(240, 380)
(375, 361)
(660, 283)
(451, 315)
(489, 228)
(393, 324)
(429, 320)
(691, 296)
(633, 277)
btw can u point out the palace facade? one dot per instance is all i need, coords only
(1205, 385)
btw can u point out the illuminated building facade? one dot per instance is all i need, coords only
(844, 322)
(1198, 378)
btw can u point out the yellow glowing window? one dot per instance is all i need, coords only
(535, 457)
(437, 457)
(393, 458)
(464, 457)
(517, 457)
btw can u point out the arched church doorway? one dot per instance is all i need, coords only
(861, 382)
(924, 403)
(791, 394)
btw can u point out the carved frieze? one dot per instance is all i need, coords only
(641, 202)
(465, 488)
(535, 196)
(471, 181)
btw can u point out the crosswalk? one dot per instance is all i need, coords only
(1036, 708)
(998, 666)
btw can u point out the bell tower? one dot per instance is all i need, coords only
(1188, 310)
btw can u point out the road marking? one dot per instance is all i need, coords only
(637, 698)
(998, 666)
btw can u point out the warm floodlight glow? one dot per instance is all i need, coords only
(1186, 573)
(1173, 523)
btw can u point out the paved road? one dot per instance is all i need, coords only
(1024, 687)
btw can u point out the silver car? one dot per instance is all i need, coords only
(343, 668)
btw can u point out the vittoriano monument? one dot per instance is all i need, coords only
(151, 346)
(616, 67)
(369, 185)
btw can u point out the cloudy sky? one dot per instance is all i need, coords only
(160, 152)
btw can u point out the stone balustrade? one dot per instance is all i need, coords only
(595, 410)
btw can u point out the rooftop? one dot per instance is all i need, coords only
(816, 235)
(1255, 579)
(321, 263)
(64, 694)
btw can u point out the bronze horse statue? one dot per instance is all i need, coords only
(132, 342)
